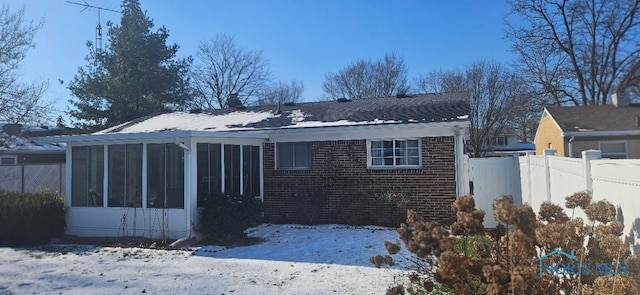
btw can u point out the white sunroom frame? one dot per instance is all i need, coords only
(112, 221)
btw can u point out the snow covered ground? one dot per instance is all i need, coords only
(294, 259)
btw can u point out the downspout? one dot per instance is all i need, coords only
(458, 149)
(571, 146)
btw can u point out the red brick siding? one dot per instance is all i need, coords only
(339, 170)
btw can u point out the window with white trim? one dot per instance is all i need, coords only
(8, 160)
(403, 153)
(614, 149)
(293, 155)
(498, 140)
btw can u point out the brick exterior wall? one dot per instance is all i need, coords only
(340, 181)
(548, 133)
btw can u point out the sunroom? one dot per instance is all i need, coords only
(150, 184)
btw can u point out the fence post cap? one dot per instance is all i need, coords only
(592, 154)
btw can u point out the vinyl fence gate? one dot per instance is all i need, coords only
(488, 178)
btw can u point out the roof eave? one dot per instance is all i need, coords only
(155, 135)
(249, 134)
(599, 133)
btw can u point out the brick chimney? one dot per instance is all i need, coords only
(620, 99)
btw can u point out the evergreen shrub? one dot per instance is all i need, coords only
(227, 216)
(31, 218)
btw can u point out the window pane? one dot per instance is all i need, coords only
(88, 171)
(232, 168)
(613, 147)
(133, 197)
(125, 175)
(395, 153)
(116, 175)
(251, 170)
(285, 155)
(203, 172)
(209, 171)
(174, 176)
(155, 175)
(302, 156)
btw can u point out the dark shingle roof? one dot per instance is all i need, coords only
(422, 108)
(596, 118)
(418, 108)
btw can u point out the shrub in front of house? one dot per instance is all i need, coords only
(31, 218)
(550, 253)
(227, 216)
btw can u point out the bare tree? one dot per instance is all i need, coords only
(576, 51)
(366, 79)
(20, 101)
(441, 81)
(523, 113)
(492, 89)
(281, 93)
(224, 68)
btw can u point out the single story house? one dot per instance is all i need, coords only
(23, 145)
(145, 177)
(613, 129)
(506, 142)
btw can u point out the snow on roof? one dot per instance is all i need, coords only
(195, 122)
(236, 121)
(21, 144)
(422, 108)
(29, 140)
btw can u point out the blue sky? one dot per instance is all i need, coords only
(301, 39)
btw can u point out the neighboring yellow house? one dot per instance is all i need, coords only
(613, 129)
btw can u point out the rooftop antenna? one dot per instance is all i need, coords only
(86, 6)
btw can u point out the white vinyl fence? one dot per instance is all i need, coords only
(489, 178)
(32, 178)
(548, 178)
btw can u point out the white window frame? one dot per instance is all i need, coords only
(394, 166)
(496, 140)
(14, 157)
(626, 148)
(295, 167)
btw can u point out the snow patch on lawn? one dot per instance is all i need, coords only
(293, 259)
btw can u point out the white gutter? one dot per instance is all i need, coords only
(363, 127)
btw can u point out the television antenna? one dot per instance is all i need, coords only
(86, 6)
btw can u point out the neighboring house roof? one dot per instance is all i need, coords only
(596, 118)
(28, 140)
(422, 108)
